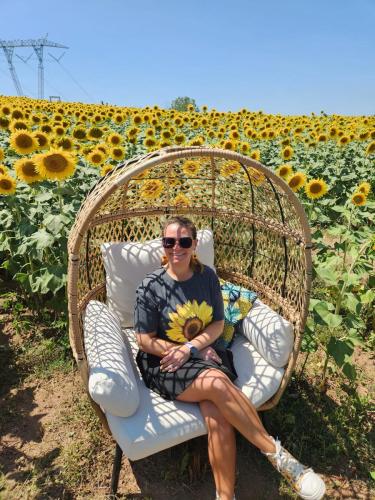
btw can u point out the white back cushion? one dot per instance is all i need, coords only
(126, 264)
(112, 382)
(271, 334)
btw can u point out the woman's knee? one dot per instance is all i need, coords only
(215, 382)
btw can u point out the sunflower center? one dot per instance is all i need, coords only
(294, 181)
(24, 141)
(55, 163)
(5, 184)
(42, 139)
(29, 169)
(315, 188)
(192, 327)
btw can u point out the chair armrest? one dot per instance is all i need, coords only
(112, 382)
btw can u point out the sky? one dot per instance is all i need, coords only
(280, 56)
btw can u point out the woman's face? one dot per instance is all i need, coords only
(177, 254)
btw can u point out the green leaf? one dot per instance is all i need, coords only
(46, 196)
(323, 316)
(42, 238)
(368, 297)
(352, 303)
(349, 370)
(353, 321)
(340, 350)
(327, 274)
(372, 474)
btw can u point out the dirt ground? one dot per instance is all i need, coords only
(53, 447)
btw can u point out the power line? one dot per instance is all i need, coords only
(72, 77)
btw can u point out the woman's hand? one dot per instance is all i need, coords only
(209, 354)
(174, 358)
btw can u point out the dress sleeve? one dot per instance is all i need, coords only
(217, 299)
(146, 313)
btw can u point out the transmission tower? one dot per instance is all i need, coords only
(38, 46)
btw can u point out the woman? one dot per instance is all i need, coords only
(178, 316)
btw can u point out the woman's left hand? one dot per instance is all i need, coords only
(174, 358)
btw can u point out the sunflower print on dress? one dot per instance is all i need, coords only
(188, 321)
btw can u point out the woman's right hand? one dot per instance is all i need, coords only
(174, 358)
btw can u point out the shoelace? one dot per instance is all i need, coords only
(286, 462)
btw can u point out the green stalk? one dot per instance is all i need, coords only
(324, 375)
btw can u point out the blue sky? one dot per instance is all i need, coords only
(281, 56)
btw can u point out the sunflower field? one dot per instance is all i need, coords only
(51, 154)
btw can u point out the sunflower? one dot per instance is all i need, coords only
(230, 145)
(118, 153)
(287, 153)
(95, 133)
(56, 164)
(284, 171)
(359, 199)
(105, 169)
(297, 181)
(188, 321)
(26, 170)
(66, 144)
(79, 133)
(316, 188)
(344, 140)
(23, 142)
(42, 140)
(181, 200)
(2, 155)
(370, 148)
(96, 157)
(191, 167)
(4, 122)
(114, 139)
(3, 170)
(255, 155)
(244, 148)
(365, 188)
(18, 125)
(7, 185)
(149, 142)
(151, 189)
(257, 178)
(179, 138)
(230, 168)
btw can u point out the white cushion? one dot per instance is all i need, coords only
(256, 377)
(126, 264)
(271, 334)
(159, 424)
(112, 381)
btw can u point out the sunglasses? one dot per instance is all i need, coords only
(184, 242)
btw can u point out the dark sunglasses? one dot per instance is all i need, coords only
(184, 242)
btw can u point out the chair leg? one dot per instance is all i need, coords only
(116, 471)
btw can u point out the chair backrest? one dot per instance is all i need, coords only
(261, 234)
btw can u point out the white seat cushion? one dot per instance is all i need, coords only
(112, 381)
(271, 334)
(159, 424)
(126, 264)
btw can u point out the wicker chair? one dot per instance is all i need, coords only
(261, 234)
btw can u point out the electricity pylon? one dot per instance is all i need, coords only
(38, 46)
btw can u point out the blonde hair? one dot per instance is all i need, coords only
(195, 264)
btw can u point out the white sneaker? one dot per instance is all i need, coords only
(218, 497)
(305, 481)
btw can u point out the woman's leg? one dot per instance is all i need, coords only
(221, 449)
(213, 385)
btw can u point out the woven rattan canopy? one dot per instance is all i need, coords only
(261, 234)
